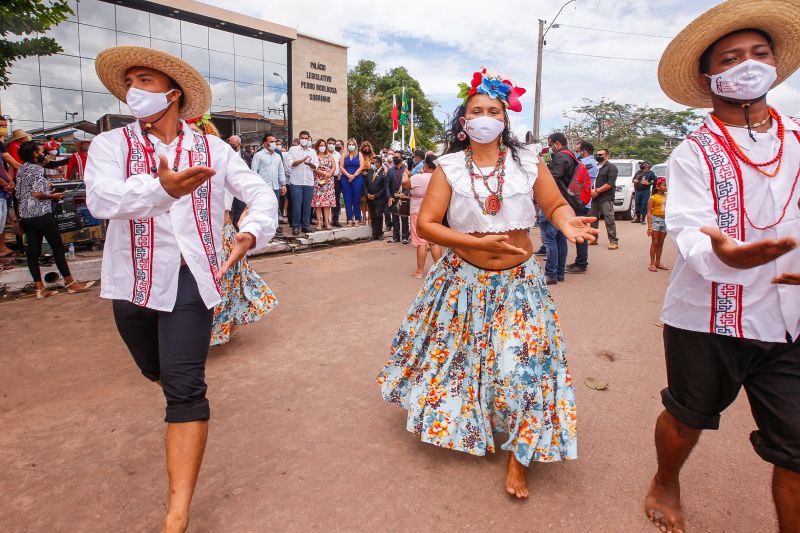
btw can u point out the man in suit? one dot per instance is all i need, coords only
(238, 206)
(394, 183)
(375, 190)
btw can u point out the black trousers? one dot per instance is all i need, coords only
(705, 373)
(44, 226)
(171, 347)
(337, 209)
(387, 215)
(376, 208)
(397, 221)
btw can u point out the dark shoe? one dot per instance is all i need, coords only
(295, 232)
(377, 238)
(575, 269)
(405, 241)
(560, 279)
(635, 220)
(308, 230)
(541, 252)
(644, 221)
(551, 281)
(337, 225)
(393, 240)
(279, 231)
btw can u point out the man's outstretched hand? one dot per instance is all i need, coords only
(242, 243)
(747, 255)
(181, 183)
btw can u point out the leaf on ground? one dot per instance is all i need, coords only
(596, 384)
(607, 355)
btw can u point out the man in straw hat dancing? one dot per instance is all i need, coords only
(162, 186)
(731, 320)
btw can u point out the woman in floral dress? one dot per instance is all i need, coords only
(245, 296)
(480, 350)
(324, 190)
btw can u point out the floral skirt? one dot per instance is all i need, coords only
(245, 296)
(481, 351)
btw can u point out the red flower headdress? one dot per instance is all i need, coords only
(494, 86)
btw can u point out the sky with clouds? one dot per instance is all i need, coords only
(442, 43)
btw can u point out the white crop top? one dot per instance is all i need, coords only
(466, 216)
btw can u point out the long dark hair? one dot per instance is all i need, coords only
(455, 145)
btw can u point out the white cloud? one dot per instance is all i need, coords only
(442, 43)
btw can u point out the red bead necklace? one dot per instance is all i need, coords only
(746, 160)
(494, 202)
(151, 152)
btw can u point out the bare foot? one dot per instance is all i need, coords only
(652, 268)
(175, 524)
(661, 267)
(663, 507)
(418, 275)
(515, 479)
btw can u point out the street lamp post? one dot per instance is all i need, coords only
(537, 106)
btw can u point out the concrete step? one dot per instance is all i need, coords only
(19, 279)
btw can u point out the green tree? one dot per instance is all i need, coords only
(630, 131)
(21, 17)
(370, 105)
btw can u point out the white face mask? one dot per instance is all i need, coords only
(146, 104)
(322, 149)
(53, 152)
(749, 80)
(272, 146)
(303, 142)
(331, 147)
(351, 147)
(484, 129)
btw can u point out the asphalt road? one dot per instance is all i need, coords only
(300, 439)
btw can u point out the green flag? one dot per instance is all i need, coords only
(404, 109)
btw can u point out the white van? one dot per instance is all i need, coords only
(624, 206)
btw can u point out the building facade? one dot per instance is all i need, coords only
(260, 73)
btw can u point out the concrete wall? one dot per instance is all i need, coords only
(319, 88)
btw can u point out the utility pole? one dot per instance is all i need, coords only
(537, 106)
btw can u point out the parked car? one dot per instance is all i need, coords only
(624, 206)
(660, 170)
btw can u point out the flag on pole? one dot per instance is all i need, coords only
(412, 142)
(394, 114)
(404, 109)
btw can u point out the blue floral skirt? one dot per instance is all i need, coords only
(481, 351)
(245, 296)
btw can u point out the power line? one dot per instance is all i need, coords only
(605, 30)
(599, 57)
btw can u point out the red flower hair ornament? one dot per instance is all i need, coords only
(494, 86)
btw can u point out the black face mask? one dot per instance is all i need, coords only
(397, 160)
(40, 159)
(600, 158)
(338, 148)
(366, 151)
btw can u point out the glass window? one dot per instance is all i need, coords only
(60, 71)
(25, 70)
(247, 46)
(194, 34)
(274, 98)
(73, 4)
(56, 103)
(22, 103)
(223, 95)
(275, 75)
(89, 79)
(222, 65)
(133, 21)
(95, 105)
(277, 53)
(66, 35)
(133, 40)
(197, 57)
(249, 96)
(165, 28)
(166, 46)
(249, 70)
(95, 40)
(219, 40)
(96, 13)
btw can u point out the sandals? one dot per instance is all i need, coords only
(76, 291)
(41, 294)
(651, 268)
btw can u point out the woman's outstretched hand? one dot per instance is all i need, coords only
(498, 244)
(579, 229)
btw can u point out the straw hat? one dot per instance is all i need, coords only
(679, 68)
(113, 63)
(20, 135)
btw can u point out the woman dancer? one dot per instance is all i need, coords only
(481, 348)
(323, 199)
(245, 296)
